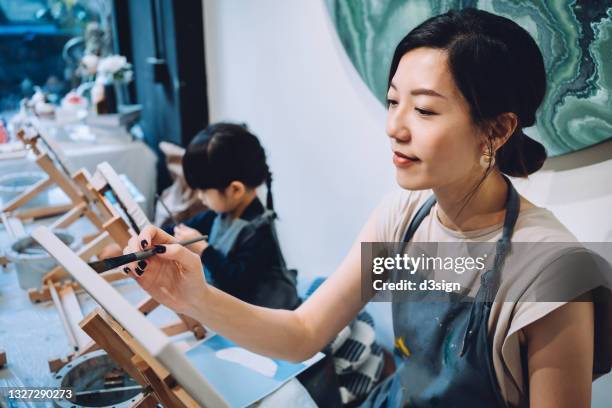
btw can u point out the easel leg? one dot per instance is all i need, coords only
(43, 295)
(70, 217)
(42, 212)
(74, 315)
(14, 227)
(162, 392)
(62, 315)
(27, 195)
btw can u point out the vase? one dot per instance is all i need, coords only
(110, 99)
(121, 91)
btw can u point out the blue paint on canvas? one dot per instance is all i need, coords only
(237, 384)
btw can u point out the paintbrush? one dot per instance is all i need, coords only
(167, 209)
(112, 263)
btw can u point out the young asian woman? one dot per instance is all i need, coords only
(462, 86)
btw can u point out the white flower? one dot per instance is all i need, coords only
(115, 68)
(90, 62)
(112, 64)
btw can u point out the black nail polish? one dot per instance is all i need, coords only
(126, 270)
(142, 265)
(159, 249)
(144, 243)
(139, 271)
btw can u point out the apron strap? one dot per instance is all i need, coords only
(490, 280)
(419, 216)
(267, 218)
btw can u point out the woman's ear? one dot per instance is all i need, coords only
(502, 128)
(498, 131)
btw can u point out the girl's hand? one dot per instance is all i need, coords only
(183, 232)
(174, 277)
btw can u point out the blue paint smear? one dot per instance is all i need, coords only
(238, 385)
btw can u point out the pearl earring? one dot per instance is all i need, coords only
(486, 161)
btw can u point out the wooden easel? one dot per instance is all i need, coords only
(114, 230)
(51, 160)
(167, 354)
(14, 229)
(181, 325)
(117, 230)
(136, 361)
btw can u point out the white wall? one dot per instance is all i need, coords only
(276, 65)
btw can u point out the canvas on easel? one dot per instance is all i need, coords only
(214, 373)
(134, 213)
(118, 224)
(115, 226)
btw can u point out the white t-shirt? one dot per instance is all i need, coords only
(508, 316)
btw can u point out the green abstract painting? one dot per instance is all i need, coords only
(574, 36)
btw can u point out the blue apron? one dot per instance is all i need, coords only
(449, 361)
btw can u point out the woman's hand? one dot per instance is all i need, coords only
(183, 232)
(174, 277)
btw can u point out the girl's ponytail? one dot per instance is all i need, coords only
(269, 200)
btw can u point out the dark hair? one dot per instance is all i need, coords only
(498, 68)
(226, 152)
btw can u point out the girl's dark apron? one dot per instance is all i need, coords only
(447, 356)
(224, 235)
(277, 289)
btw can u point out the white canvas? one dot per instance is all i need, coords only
(122, 193)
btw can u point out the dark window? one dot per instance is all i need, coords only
(41, 43)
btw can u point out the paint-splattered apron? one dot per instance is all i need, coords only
(445, 347)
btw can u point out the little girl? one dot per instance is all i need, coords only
(226, 163)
